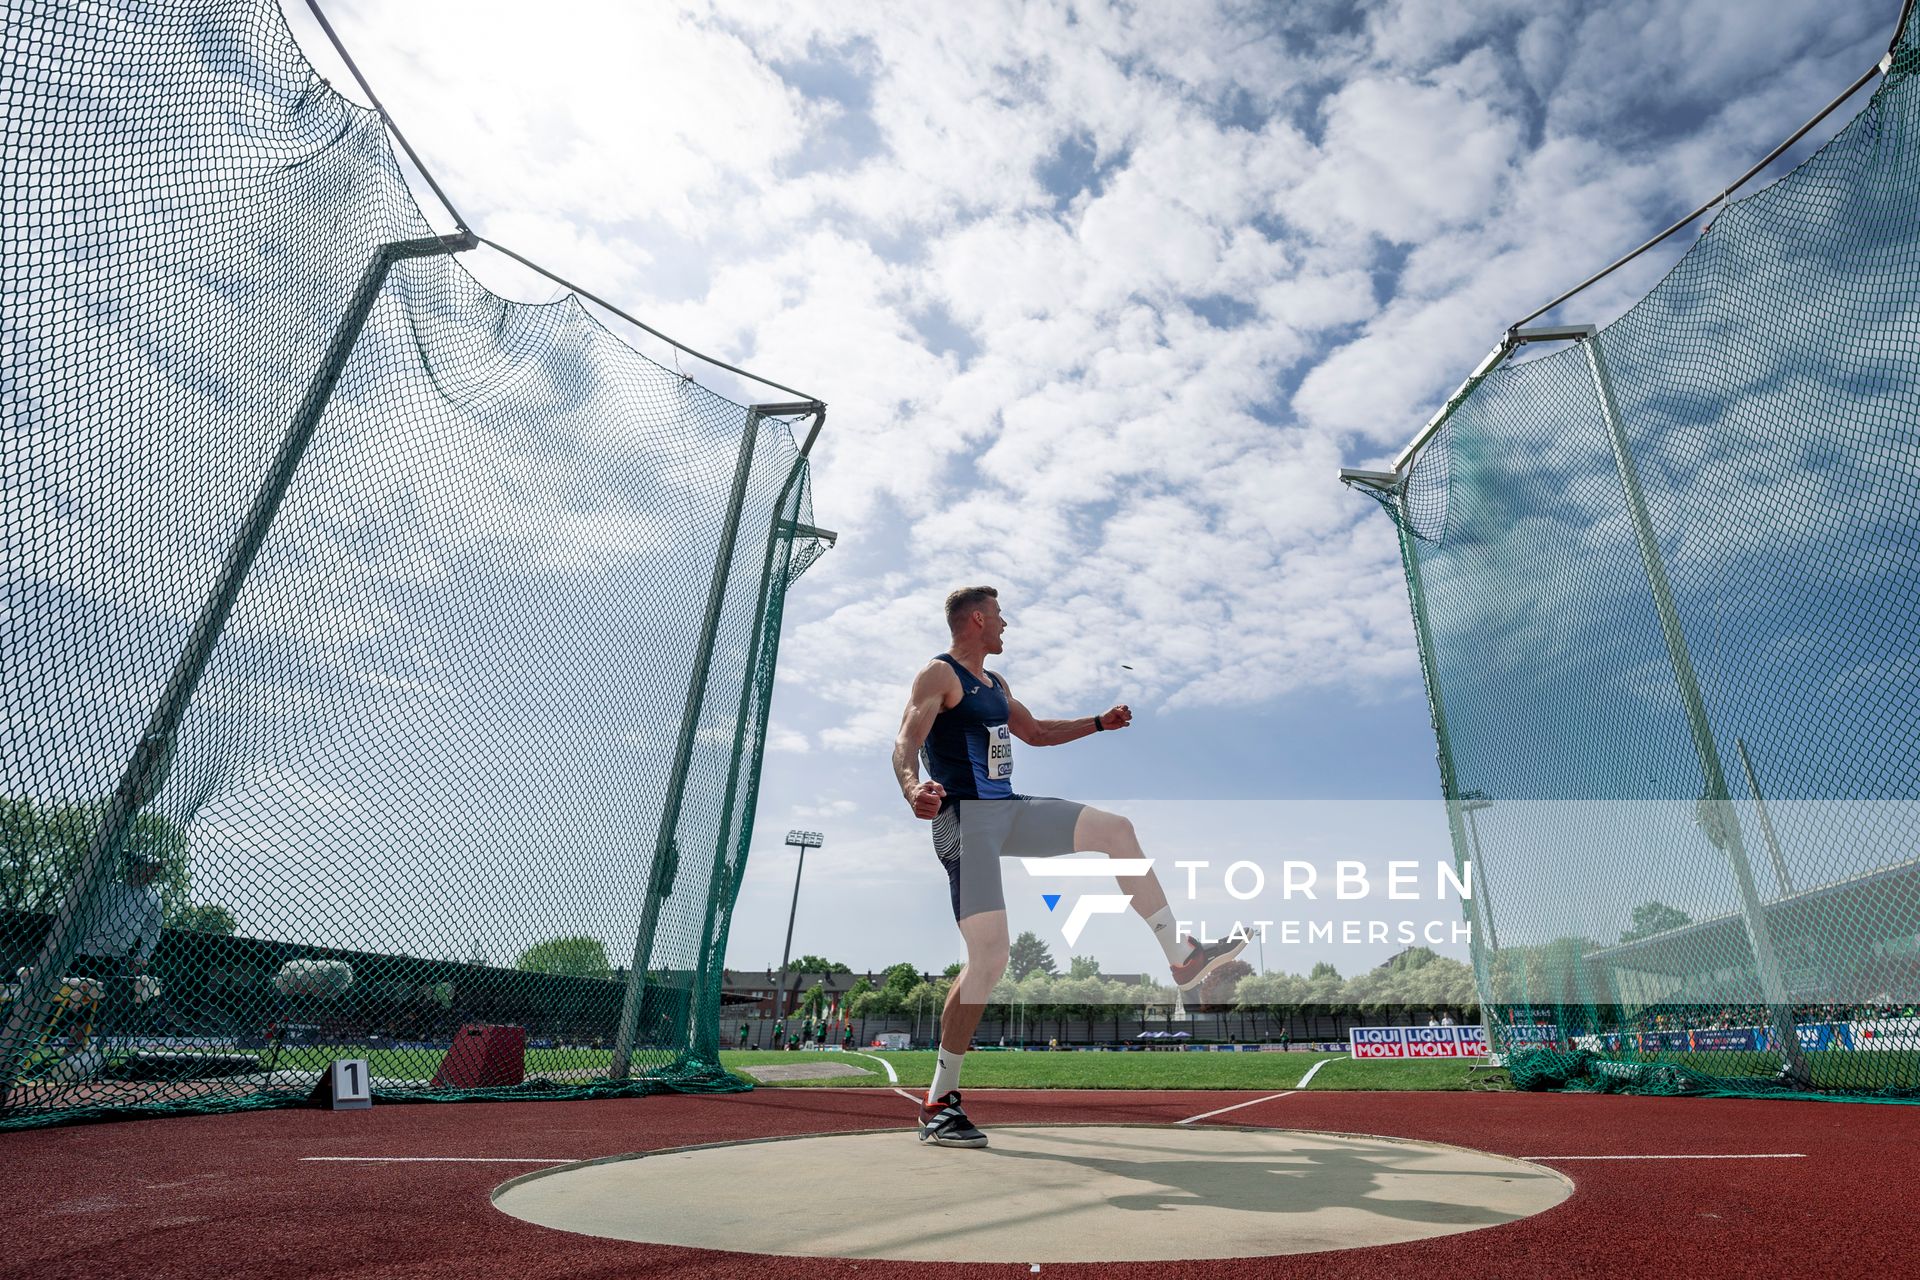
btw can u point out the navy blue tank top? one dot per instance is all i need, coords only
(969, 751)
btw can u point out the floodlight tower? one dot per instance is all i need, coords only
(1472, 802)
(803, 841)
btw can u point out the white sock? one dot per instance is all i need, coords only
(946, 1074)
(1164, 929)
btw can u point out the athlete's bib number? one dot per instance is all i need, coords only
(999, 753)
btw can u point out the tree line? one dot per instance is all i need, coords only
(42, 846)
(1417, 979)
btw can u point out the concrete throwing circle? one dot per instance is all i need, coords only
(1040, 1193)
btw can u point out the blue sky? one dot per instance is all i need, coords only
(1100, 298)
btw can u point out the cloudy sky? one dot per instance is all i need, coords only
(1100, 298)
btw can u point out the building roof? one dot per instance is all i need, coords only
(1872, 908)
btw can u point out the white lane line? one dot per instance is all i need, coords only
(920, 1098)
(1314, 1070)
(1762, 1155)
(1236, 1106)
(439, 1159)
(891, 1077)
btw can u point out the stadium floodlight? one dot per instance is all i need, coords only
(1782, 877)
(1472, 802)
(803, 841)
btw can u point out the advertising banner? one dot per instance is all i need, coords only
(1726, 1039)
(1813, 1036)
(1895, 1034)
(1825, 1035)
(1417, 1042)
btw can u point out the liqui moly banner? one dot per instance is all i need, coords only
(1417, 1042)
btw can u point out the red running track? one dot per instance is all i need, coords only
(232, 1195)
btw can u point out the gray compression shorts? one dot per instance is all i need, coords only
(971, 836)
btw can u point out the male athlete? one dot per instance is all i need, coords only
(962, 719)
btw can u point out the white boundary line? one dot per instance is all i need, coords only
(970, 1090)
(1236, 1106)
(1764, 1155)
(920, 1098)
(1314, 1070)
(892, 1078)
(437, 1160)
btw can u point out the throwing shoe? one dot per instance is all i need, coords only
(944, 1124)
(1203, 960)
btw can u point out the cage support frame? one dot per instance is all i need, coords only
(146, 769)
(1716, 800)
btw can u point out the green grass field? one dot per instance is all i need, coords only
(1831, 1068)
(1133, 1070)
(1041, 1070)
(419, 1064)
(1034, 1070)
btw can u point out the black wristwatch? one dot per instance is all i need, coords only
(1097, 726)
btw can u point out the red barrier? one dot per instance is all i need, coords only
(484, 1057)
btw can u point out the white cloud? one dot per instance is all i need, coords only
(826, 809)
(1099, 295)
(1405, 161)
(782, 738)
(1123, 403)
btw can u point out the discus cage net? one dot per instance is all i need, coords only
(382, 657)
(1665, 583)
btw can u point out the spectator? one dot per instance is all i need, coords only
(117, 935)
(1446, 1019)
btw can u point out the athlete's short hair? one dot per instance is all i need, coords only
(964, 601)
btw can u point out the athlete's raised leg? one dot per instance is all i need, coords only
(1097, 831)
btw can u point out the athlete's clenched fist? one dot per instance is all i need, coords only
(925, 799)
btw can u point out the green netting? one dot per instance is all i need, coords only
(1666, 583)
(485, 720)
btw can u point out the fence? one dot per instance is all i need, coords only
(1106, 1027)
(1666, 587)
(349, 605)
